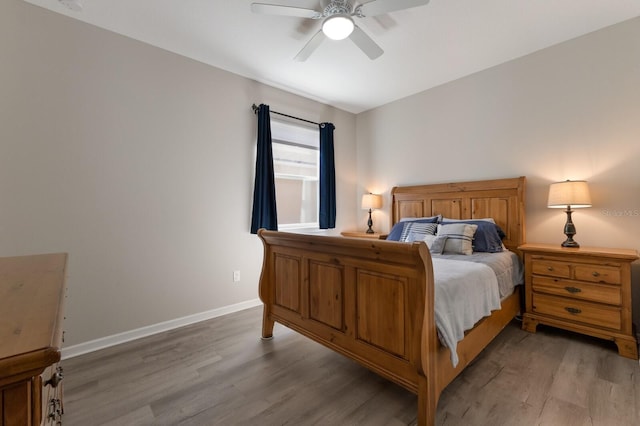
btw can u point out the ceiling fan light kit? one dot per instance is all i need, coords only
(338, 21)
(338, 27)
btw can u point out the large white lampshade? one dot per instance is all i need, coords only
(574, 193)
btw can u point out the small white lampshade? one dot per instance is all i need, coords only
(338, 26)
(371, 201)
(574, 193)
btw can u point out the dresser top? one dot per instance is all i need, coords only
(31, 296)
(615, 253)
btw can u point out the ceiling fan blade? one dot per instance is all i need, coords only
(365, 43)
(378, 7)
(276, 9)
(310, 47)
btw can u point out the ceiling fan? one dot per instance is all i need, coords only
(338, 22)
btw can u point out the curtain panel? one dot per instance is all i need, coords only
(264, 213)
(327, 212)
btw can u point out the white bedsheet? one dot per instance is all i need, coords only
(465, 292)
(507, 266)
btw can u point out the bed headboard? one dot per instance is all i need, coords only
(500, 199)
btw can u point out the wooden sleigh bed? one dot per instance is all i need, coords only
(373, 300)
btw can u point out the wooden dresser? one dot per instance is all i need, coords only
(31, 312)
(586, 290)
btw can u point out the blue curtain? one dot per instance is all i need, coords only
(264, 191)
(327, 213)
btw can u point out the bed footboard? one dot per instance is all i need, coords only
(370, 300)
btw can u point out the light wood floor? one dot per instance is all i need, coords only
(219, 372)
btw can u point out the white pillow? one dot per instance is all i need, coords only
(435, 243)
(459, 237)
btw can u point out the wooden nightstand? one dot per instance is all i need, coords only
(586, 290)
(357, 234)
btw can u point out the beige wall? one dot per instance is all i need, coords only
(139, 163)
(571, 111)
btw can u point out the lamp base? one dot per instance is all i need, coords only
(569, 231)
(370, 224)
(570, 243)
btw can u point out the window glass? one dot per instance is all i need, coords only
(296, 163)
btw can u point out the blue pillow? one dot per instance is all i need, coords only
(396, 231)
(488, 236)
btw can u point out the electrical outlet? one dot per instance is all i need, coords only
(236, 276)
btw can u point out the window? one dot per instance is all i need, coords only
(296, 162)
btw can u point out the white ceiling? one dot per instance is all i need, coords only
(424, 47)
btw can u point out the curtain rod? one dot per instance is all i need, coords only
(256, 108)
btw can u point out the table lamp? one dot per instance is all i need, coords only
(370, 202)
(570, 193)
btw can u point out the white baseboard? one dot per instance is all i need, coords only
(127, 336)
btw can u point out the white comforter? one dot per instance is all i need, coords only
(465, 292)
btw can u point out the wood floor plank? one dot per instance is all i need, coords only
(219, 372)
(140, 416)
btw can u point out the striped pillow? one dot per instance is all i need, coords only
(416, 231)
(459, 237)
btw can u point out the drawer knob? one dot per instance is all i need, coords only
(572, 289)
(549, 268)
(573, 311)
(55, 378)
(55, 411)
(595, 273)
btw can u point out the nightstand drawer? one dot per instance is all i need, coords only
(598, 273)
(608, 294)
(551, 268)
(575, 310)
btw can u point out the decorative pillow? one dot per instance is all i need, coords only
(396, 231)
(459, 237)
(415, 231)
(435, 243)
(488, 236)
